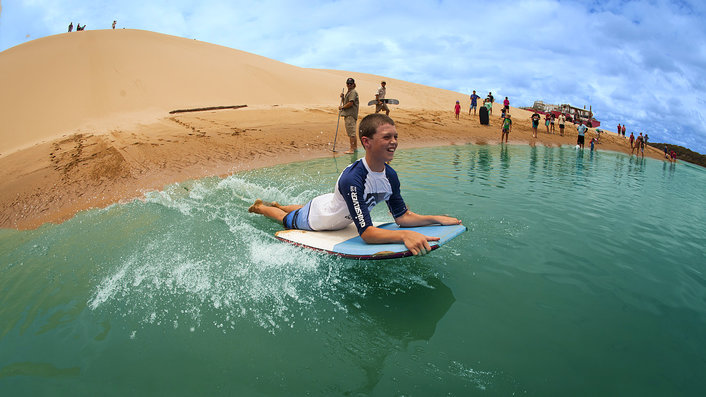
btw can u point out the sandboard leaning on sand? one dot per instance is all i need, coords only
(348, 244)
(388, 101)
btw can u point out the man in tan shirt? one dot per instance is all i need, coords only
(349, 111)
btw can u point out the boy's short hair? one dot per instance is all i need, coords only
(370, 124)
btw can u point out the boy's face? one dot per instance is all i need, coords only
(383, 143)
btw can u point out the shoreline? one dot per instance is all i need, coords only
(52, 181)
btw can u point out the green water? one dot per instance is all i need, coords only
(581, 274)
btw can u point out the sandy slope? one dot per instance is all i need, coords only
(84, 118)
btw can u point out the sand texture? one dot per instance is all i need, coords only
(85, 118)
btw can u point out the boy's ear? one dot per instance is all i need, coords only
(364, 140)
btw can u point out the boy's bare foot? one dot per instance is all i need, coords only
(255, 207)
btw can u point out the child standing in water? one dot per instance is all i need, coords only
(506, 128)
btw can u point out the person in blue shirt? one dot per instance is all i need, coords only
(474, 103)
(363, 184)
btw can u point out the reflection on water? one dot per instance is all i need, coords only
(188, 291)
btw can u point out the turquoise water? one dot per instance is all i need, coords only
(581, 274)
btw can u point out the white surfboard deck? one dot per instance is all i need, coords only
(348, 244)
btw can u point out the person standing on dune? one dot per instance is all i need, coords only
(349, 111)
(380, 99)
(535, 123)
(474, 103)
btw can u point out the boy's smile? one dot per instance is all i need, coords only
(381, 147)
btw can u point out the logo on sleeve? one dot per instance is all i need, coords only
(356, 206)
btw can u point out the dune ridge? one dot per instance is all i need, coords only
(114, 78)
(85, 122)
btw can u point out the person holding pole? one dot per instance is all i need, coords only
(349, 111)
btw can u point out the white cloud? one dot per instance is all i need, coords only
(634, 62)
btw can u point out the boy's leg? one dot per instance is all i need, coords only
(286, 208)
(271, 212)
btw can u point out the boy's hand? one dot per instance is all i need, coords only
(417, 243)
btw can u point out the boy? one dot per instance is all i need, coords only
(359, 188)
(507, 127)
(535, 124)
(474, 103)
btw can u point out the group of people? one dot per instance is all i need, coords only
(487, 103)
(79, 27)
(621, 130)
(670, 155)
(638, 143)
(549, 120)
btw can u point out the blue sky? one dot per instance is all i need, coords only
(640, 63)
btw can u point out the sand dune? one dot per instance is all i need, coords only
(84, 118)
(97, 80)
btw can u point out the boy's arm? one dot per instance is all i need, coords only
(416, 242)
(410, 219)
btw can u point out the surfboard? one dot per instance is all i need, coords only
(388, 101)
(348, 244)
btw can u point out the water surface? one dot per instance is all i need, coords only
(581, 274)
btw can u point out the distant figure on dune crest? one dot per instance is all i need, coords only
(79, 27)
(380, 98)
(535, 123)
(71, 26)
(632, 140)
(114, 25)
(491, 99)
(506, 105)
(474, 103)
(457, 109)
(623, 130)
(349, 111)
(506, 128)
(618, 129)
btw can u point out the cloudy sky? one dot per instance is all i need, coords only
(639, 63)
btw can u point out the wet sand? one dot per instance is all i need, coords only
(50, 182)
